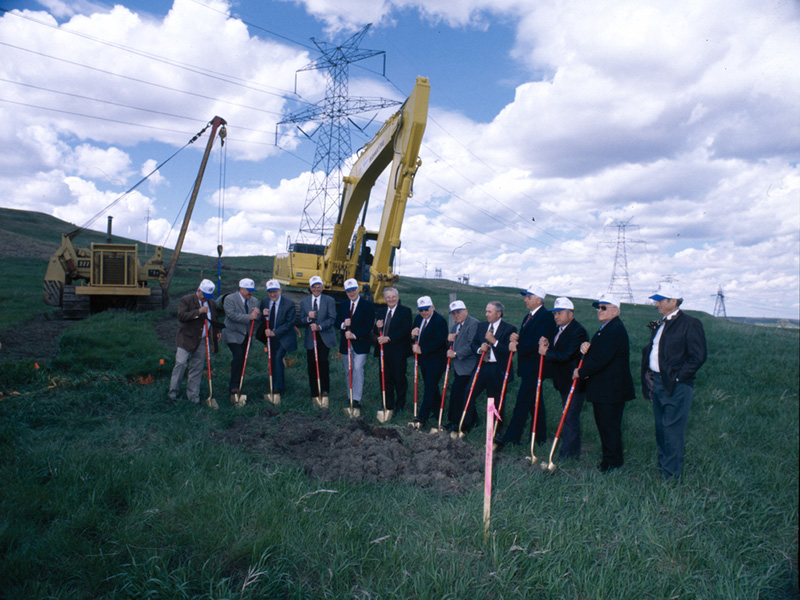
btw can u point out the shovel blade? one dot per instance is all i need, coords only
(384, 416)
(212, 403)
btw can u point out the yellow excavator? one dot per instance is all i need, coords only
(348, 254)
(109, 275)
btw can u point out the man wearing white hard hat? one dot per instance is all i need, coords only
(430, 335)
(609, 385)
(240, 310)
(393, 332)
(463, 360)
(676, 351)
(276, 327)
(538, 322)
(197, 313)
(318, 312)
(355, 318)
(560, 360)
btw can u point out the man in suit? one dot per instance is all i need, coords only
(463, 360)
(560, 360)
(430, 332)
(393, 329)
(276, 328)
(318, 311)
(197, 314)
(676, 351)
(609, 385)
(355, 318)
(538, 323)
(489, 345)
(241, 309)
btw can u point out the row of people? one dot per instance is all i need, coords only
(550, 344)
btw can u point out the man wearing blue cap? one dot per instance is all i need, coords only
(240, 310)
(537, 323)
(676, 351)
(197, 314)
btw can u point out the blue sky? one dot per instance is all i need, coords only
(681, 118)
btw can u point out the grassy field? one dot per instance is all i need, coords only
(110, 491)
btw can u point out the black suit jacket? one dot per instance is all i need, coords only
(503, 336)
(283, 325)
(399, 332)
(542, 324)
(433, 341)
(681, 352)
(606, 366)
(361, 325)
(563, 356)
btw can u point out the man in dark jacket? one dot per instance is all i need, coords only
(393, 331)
(355, 318)
(276, 328)
(197, 314)
(430, 331)
(676, 351)
(609, 385)
(537, 323)
(560, 360)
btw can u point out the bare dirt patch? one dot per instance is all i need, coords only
(328, 449)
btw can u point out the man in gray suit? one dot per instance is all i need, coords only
(276, 328)
(240, 310)
(319, 313)
(462, 361)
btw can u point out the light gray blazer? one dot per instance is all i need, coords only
(325, 319)
(237, 319)
(465, 359)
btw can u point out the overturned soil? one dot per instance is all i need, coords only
(328, 449)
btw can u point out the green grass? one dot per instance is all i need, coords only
(109, 491)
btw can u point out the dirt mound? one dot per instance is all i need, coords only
(329, 449)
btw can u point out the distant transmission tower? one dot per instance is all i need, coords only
(620, 283)
(437, 273)
(321, 210)
(719, 304)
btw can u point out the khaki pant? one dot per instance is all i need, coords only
(194, 361)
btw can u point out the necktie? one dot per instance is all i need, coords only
(387, 321)
(527, 318)
(352, 308)
(272, 315)
(421, 328)
(560, 331)
(315, 305)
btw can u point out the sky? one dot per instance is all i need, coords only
(551, 124)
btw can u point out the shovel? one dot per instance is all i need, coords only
(239, 400)
(444, 394)
(550, 465)
(352, 412)
(416, 389)
(383, 415)
(271, 396)
(533, 457)
(320, 400)
(210, 400)
(460, 433)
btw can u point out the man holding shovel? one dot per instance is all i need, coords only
(393, 329)
(355, 318)
(276, 328)
(195, 311)
(318, 311)
(430, 331)
(241, 311)
(463, 360)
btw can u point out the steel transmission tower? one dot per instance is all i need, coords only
(719, 304)
(620, 283)
(321, 210)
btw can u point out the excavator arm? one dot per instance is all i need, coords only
(397, 143)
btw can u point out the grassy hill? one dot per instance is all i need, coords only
(111, 491)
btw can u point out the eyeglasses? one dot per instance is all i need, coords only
(602, 307)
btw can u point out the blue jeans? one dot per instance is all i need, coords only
(671, 413)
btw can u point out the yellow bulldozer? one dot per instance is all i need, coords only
(86, 280)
